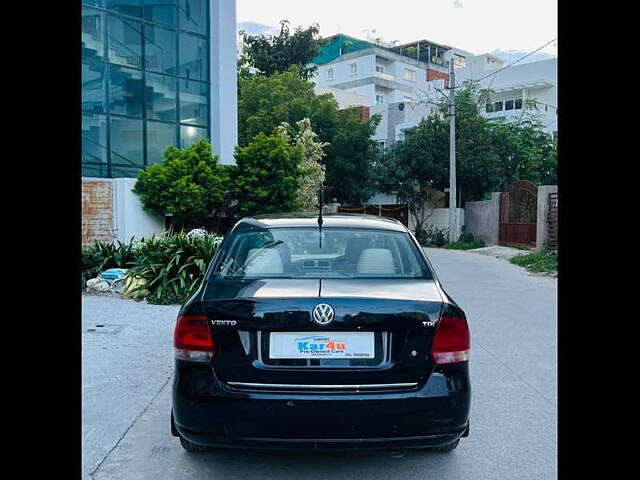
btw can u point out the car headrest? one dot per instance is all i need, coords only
(263, 261)
(376, 261)
(355, 246)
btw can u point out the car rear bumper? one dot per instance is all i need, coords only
(207, 412)
(321, 443)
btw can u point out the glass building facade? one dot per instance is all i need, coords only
(145, 81)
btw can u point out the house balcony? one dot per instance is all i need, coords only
(384, 76)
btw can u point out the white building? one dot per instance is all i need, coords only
(514, 85)
(344, 98)
(382, 74)
(391, 80)
(397, 81)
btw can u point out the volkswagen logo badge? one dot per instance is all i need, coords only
(323, 314)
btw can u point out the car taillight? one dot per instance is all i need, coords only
(452, 341)
(192, 339)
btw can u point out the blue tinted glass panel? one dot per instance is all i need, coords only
(193, 102)
(193, 57)
(160, 11)
(160, 49)
(94, 139)
(189, 135)
(125, 7)
(125, 42)
(161, 97)
(126, 142)
(92, 33)
(120, 171)
(159, 137)
(93, 86)
(97, 3)
(125, 91)
(193, 15)
(95, 170)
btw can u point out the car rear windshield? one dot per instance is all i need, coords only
(252, 252)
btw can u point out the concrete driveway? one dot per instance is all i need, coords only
(126, 392)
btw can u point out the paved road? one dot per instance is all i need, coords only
(513, 430)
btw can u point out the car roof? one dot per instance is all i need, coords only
(309, 219)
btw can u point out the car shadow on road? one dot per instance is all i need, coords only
(320, 464)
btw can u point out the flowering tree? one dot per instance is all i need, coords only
(312, 171)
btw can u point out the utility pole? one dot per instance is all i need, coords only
(453, 227)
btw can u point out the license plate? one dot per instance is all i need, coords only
(321, 345)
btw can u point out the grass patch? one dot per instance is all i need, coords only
(537, 262)
(459, 245)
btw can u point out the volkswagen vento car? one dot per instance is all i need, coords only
(311, 335)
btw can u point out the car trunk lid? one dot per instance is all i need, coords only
(402, 314)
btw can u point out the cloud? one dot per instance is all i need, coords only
(457, 4)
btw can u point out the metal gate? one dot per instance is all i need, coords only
(399, 212)
(518, 214)
(552, 221)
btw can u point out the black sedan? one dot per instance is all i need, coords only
(334, 334)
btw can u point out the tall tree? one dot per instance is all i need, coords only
(490, 154)
(277, 53)
(266, 102)
(414, 168)
(525, 152)
(350, 156)
(476, 161)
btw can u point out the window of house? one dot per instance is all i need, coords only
(489, 107)
(379, 99)
(497, 107)
(379, 69)
(382, 143)
(353, 68)
(518, 104)
(330, 74)
(508, 105)
(410, 74)
(458, 61)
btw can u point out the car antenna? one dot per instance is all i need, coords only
(320, 217)
(321, 194)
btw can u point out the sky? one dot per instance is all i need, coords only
(510, 28)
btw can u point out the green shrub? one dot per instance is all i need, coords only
(267, 176)
(173, 266)
(102, 256)
(466, 237)
(432, 236)
(421, 236)
(440, 237)
(537, 262)
(189, 183)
